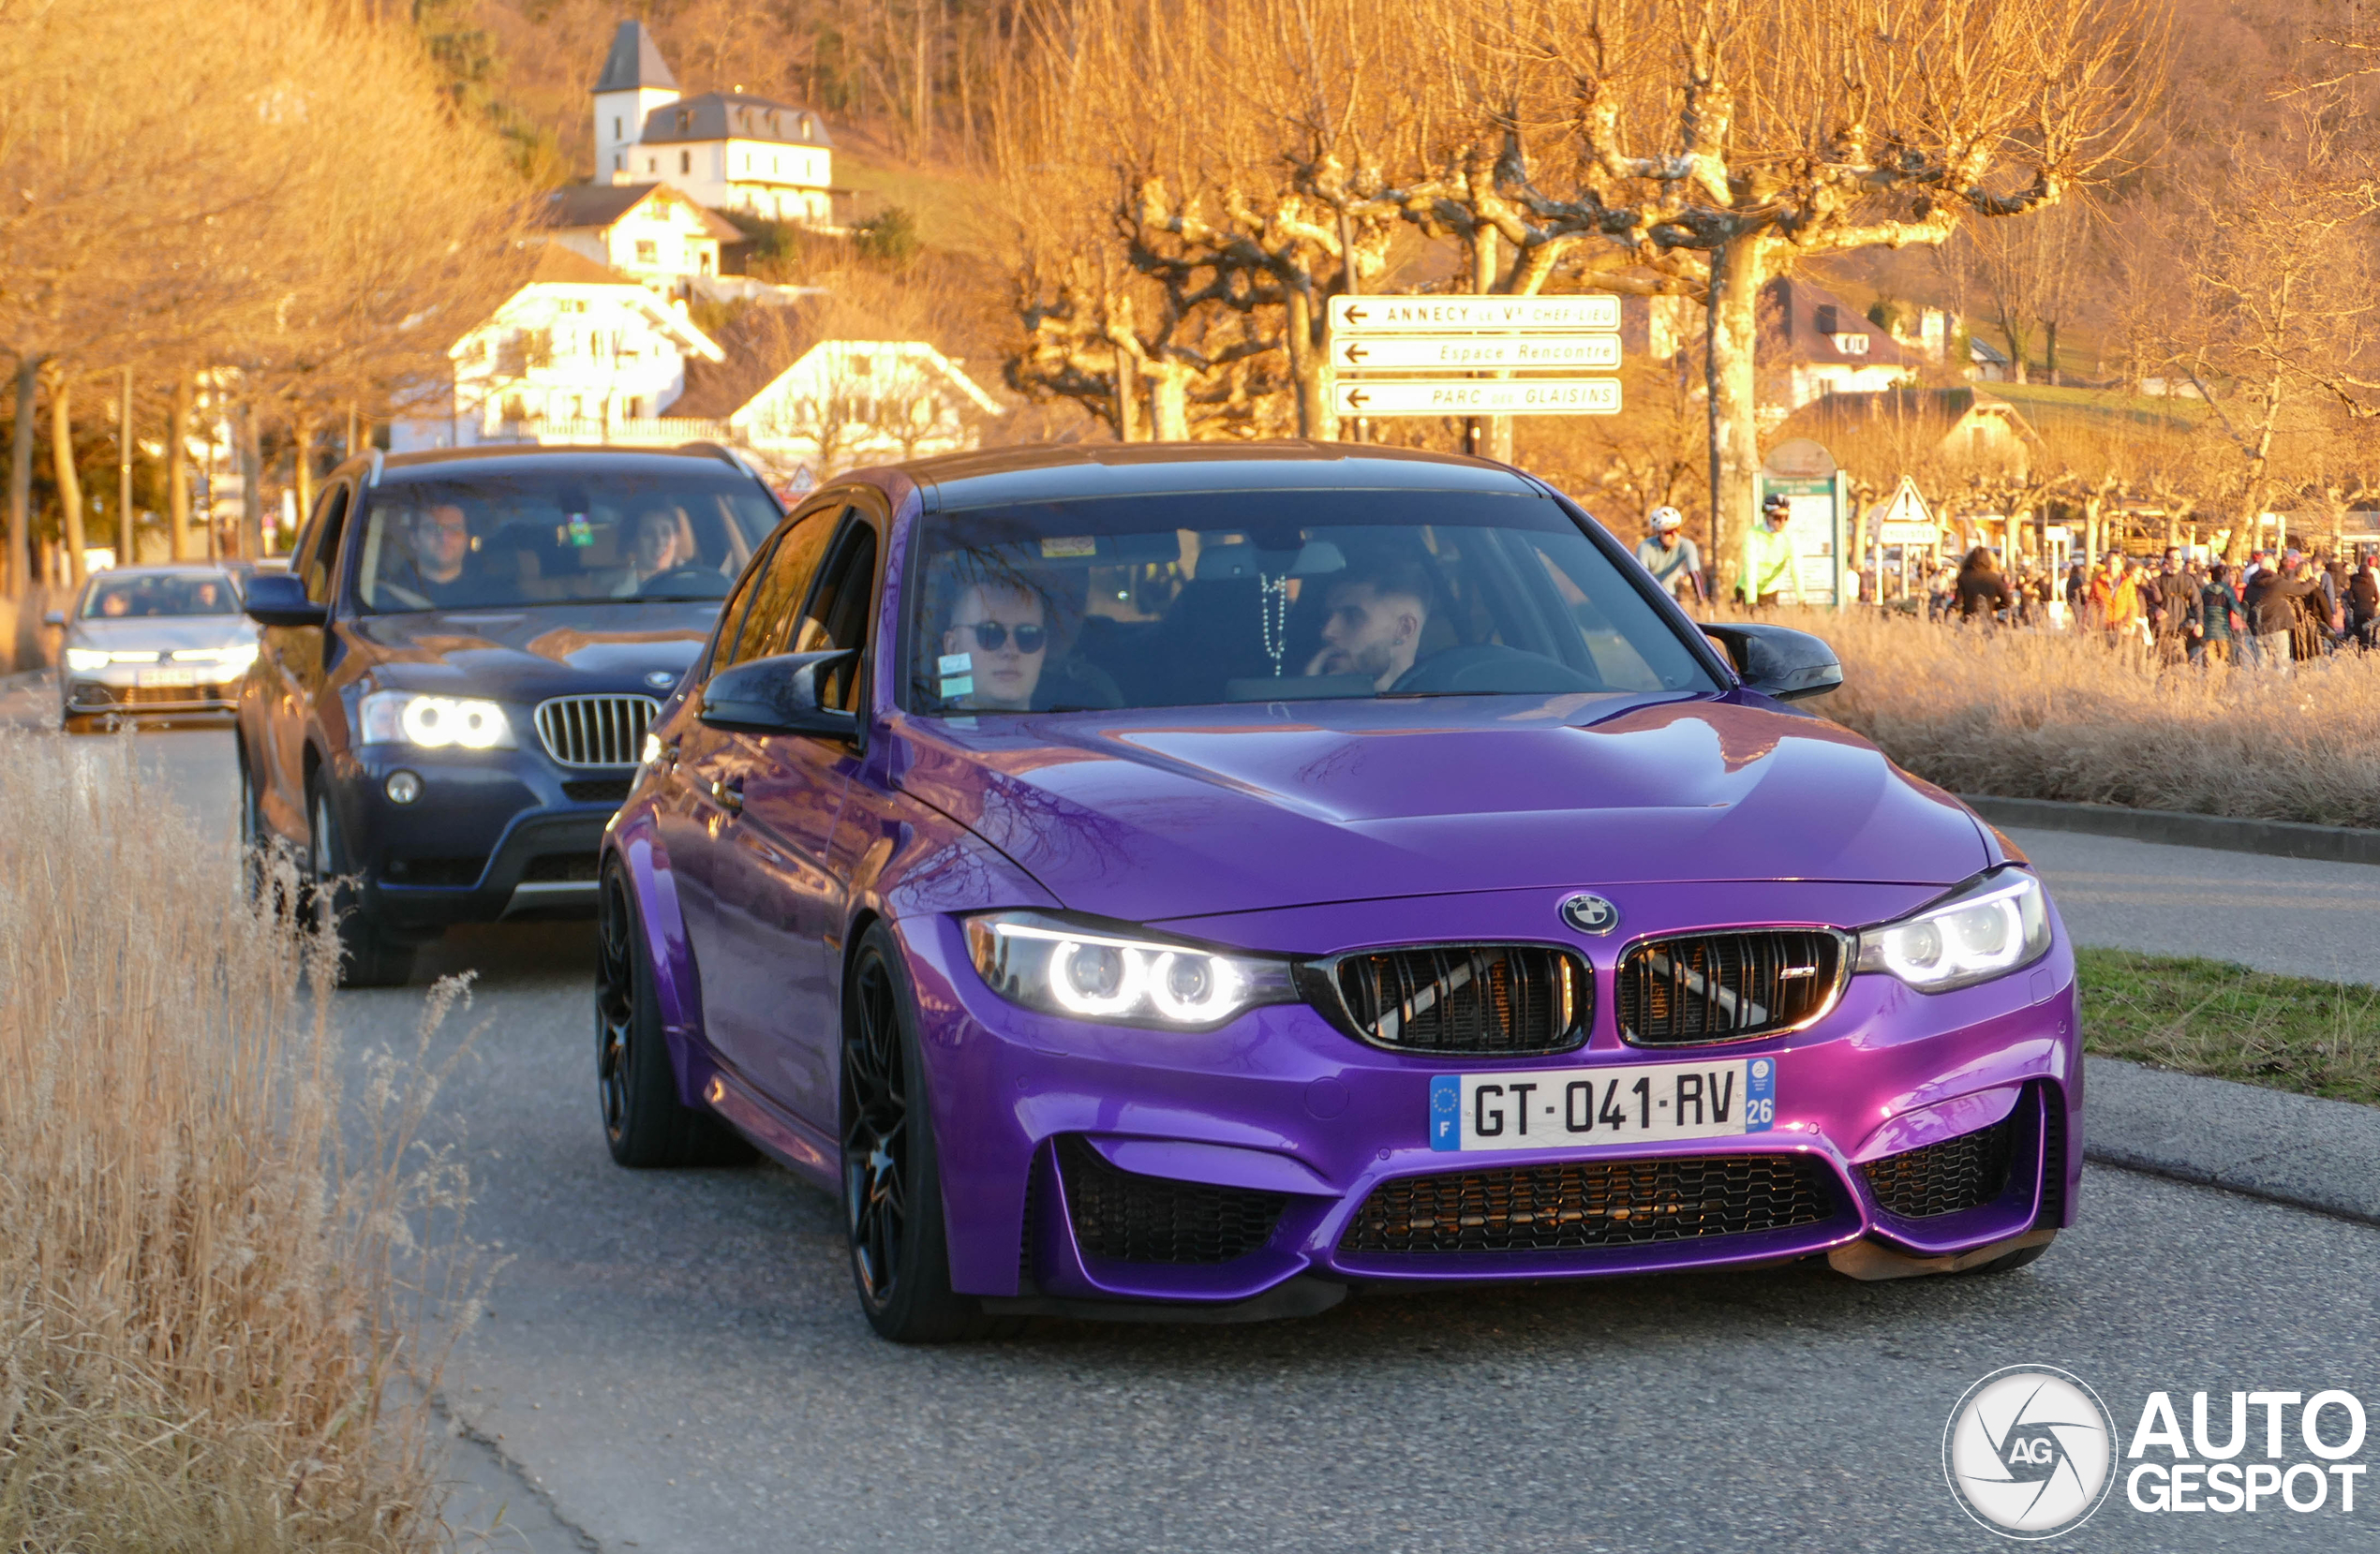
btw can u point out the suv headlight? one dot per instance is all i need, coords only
(434, 722)
(1048, 964)
(1985, 930)
(86, 660)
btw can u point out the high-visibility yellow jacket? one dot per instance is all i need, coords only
(1771, 556)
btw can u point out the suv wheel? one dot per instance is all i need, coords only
(369, 954)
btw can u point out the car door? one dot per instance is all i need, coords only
(292, 657)
(713, 766)
(779, 902)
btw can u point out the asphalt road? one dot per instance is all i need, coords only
(676, 1361)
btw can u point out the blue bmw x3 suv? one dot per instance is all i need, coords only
(455, 676)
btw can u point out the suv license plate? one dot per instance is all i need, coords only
(1636, 1103)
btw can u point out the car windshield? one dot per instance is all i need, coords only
(1178, 600)
(496, 542)
(156, 594)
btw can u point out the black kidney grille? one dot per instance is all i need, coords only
(1597, 1203)
(1468, 998)
(1960, 1172)
(1129, 1218)
(1726, 987)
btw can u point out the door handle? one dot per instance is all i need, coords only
(728, 795)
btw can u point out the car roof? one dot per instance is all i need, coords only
(510, 459)
(1076, 471)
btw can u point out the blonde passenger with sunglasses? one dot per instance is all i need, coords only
(1001, 633)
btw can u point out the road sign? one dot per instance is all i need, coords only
(1491, 396)
(1588, 312)
(1906, 521)
(1474, 352)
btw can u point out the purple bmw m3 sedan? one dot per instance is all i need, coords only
(1198, 882)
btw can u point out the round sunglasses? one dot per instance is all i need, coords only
(991, 636)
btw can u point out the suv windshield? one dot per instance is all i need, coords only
(152, 594)
(1176, 600)
(492, 542)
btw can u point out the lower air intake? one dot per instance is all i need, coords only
(1961, 1173)
(1128, 1218)
(1602, 1203)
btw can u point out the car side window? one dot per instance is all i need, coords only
(732, 613)
(838, 615)
(319, 565)
(783, 583)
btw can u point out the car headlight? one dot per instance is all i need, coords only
(1059, 968)
(434, 722)
(86, 660)
(1986, 929)
(232, 661)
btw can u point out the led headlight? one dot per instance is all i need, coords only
(232, 660)
(1985, 930)
(434, 722)
(1048, 964)
(86, 660)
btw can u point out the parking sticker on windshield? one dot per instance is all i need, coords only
(963, 686)
(957, 663)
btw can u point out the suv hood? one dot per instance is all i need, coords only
(546, 650)
(1185, 812)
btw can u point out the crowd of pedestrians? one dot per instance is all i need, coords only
(2279, 609)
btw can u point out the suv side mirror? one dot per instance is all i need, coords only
(1777, 661)
(779, 694)
(276, 599)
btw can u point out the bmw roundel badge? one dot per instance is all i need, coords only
(1590, 914)
(660, 679)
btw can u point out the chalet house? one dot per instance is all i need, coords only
(727, 151)
(1965, 428)
(651, 232)
(1812, 343)
(827, 405)
(579, 354)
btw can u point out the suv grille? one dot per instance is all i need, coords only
(1490, 999)
(1592, 1204)
(1726, 987)
(1965, 1172)
(596, 731)
(1128, 1218)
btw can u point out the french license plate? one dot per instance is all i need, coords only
(165, 676)
(1636, 1103)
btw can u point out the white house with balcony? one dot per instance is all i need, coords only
(651, 232)
(830, 404)
(727, 150)
(580, 354)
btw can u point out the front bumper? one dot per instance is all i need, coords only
(118, 688)
(494, 833)
(1324, 1140)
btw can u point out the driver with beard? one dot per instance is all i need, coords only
(1375, 610)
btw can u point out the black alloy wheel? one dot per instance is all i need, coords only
(645, 1124)
(892, 1184)
(369, 955)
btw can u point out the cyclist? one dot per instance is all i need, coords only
(1671, 557)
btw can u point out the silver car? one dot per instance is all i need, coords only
(153, 641)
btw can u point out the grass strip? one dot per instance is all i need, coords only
(2227, 1021)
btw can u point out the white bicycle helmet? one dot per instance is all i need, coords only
(1664, 519)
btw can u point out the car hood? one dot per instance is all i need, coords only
(542, 651)
(160, 633)
(1183, 812)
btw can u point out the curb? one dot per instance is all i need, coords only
(2336, 844)
(2299, 1150)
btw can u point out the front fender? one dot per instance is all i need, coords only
(637, 843)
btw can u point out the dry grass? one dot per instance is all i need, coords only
(206, 1298)
(2048, 715)
(2211, 1017)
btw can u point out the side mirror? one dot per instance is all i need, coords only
(1779, 662)
(276, 599)
(779, 694)
(56, 618)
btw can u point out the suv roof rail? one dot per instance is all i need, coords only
(372, 477)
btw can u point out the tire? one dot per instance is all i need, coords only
(892, 1183)
(645, 1124)
(369, 954)
(258, 845)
